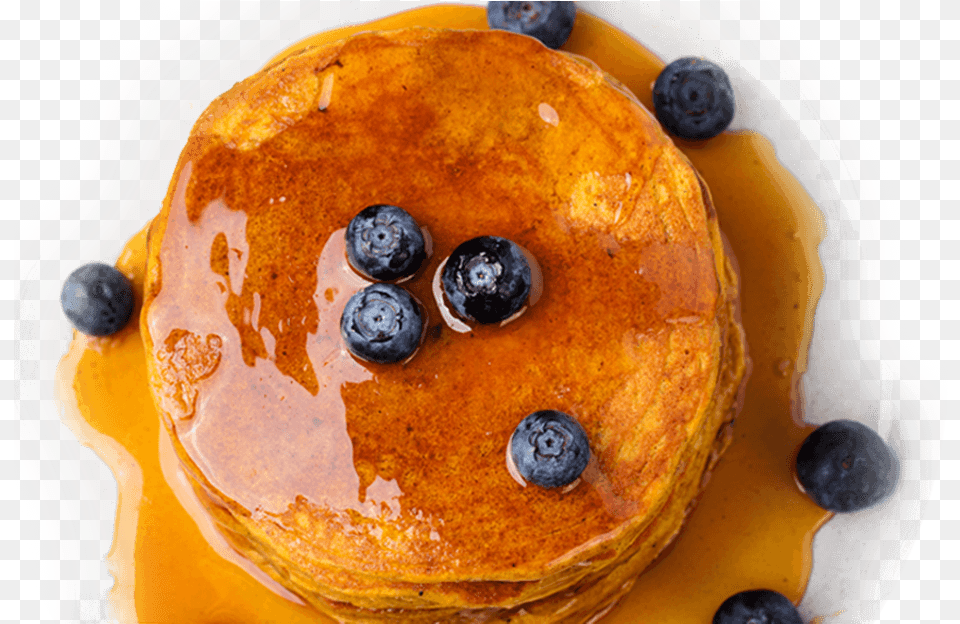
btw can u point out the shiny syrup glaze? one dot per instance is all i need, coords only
(397, 471)
(752, 527)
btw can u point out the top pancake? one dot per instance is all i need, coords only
(399, 471)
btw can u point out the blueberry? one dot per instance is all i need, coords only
(693, 99)
(98, 299)
(487, 279)
(845, 466)
(382, 323)
(550, 448)
(384, 243)
(757, 606)
(549, 22)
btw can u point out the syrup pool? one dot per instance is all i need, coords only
(752, 527)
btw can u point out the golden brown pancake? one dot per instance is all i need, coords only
(381, 492)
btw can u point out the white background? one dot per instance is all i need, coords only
(96, 100)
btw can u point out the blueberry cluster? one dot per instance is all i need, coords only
(383, 323)
(486, 280)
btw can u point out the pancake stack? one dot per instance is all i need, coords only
(381, 492)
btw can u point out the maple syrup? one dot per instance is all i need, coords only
(752, 528)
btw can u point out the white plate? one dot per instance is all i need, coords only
(114, 101)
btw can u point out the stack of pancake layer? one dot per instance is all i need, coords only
(382, 492)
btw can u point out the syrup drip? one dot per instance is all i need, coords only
(752, 527)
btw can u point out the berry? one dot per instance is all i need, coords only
(98, 299)
(382, 323)
(550, 449)
(845, 466)
(757, 606)
(384, 243)
(487, 279)
(693, 99)
(548, 22)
